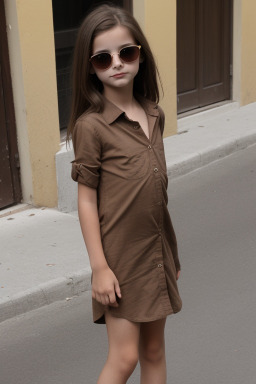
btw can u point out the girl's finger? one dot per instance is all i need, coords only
(104, 299)
(112, 300)
(117, 289)
(97, 297)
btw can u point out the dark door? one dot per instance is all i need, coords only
(10, 192)
(203, 52)
(67, 16)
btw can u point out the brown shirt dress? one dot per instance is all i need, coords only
(113, 155)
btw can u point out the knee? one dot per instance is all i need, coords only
(153, 352)
(127, 361)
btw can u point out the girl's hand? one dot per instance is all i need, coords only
(105, 287)
(178, 275)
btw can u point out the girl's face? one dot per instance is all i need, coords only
(119, 74)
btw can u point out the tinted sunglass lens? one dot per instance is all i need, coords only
(102, 60)
(129, 54)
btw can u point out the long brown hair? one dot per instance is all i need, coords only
(86, 88)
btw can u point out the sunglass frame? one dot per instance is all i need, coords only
(111, 56)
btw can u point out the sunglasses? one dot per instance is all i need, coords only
(103, 60)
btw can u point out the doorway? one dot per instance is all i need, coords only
(10, 190)
(203, 53)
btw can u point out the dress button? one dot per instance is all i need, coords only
(155, 170)
(149, 147)
(159, 265)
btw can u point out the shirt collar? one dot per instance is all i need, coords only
(111, 112)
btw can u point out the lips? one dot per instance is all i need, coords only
(119, 75)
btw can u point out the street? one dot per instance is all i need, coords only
(212, 340)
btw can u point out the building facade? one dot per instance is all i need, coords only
(205, 51)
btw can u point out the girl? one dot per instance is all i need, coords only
(117, 127)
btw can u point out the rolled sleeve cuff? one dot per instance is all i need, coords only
(84, 175)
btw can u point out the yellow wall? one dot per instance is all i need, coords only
(248, 52)
(158, 20)
(32, 57)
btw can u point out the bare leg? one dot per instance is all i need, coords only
(123, 339)
(152, 352)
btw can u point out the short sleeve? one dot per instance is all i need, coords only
(87, 148)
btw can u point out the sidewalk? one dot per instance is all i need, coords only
(42, 254)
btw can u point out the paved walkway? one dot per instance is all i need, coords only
(42, 254)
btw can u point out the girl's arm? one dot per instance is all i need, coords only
(105, 285)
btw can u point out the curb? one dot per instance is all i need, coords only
(46, 293)
(73, 285)
(209, 155)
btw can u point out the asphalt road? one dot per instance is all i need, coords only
(212, 340)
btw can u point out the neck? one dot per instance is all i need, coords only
(122, 98)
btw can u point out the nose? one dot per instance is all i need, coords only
(116, 61)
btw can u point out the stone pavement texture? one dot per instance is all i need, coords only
(42, 255)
